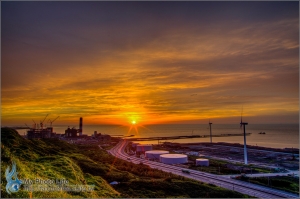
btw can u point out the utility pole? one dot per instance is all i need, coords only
(210, 131)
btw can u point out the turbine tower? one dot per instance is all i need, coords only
(245, 145)
(210, 131)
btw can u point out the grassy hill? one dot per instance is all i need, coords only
(56, 159)
(48, 159)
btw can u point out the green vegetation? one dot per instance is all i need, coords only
(48, 159)
(174, 188)
(223, 167)
(87, 165)
(286, 183)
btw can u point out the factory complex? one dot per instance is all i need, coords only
(181, 154)
(71, 135)
(206, 155)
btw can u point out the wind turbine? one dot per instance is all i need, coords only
(245, 145)
(210, 131)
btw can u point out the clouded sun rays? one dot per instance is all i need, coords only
(133, 126)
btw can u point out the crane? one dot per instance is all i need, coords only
(41, 122)
(52, 121)
(27, 126)
(34, 126)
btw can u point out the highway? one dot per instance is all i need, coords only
(227, 183)
(264, 174)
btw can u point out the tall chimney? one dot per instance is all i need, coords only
(80, 126)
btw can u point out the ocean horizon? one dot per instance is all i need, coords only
(276, 135)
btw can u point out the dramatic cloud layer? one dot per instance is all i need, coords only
(153, 62)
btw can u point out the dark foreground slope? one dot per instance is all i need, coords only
(55, 159)
(47, 159)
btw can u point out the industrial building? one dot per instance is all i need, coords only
(72, 132)
(155, 154)
(143, 147)
(134, 144)
(173, 158)
(40, 133)
(38, 130)
(71, 135)
(99, 136)
(202, 162)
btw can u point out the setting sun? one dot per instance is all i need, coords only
(165, 71)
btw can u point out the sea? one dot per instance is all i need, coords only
(276, 135)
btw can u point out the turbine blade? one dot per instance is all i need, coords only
(241, 117)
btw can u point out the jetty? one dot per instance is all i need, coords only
(16, 127)
(187, 137)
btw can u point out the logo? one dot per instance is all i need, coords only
(12, 186)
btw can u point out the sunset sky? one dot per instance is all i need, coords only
(150, 62)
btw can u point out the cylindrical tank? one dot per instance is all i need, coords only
(173, 158)
(154, 154)
(143, 147)
(202, 162)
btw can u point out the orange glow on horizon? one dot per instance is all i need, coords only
(185, 71)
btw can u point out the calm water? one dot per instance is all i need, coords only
(277, 135)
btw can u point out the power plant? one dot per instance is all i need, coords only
(72, 132)
(40, 131)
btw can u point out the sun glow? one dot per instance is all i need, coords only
(133, 122)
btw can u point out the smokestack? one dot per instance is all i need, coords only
(80, 126)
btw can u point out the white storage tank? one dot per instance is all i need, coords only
(202, 162)
(173, 158)
(143, 147)
(154, 154)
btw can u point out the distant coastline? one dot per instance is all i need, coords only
(272, 138)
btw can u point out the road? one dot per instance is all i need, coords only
(264, 174)
(227, 183)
